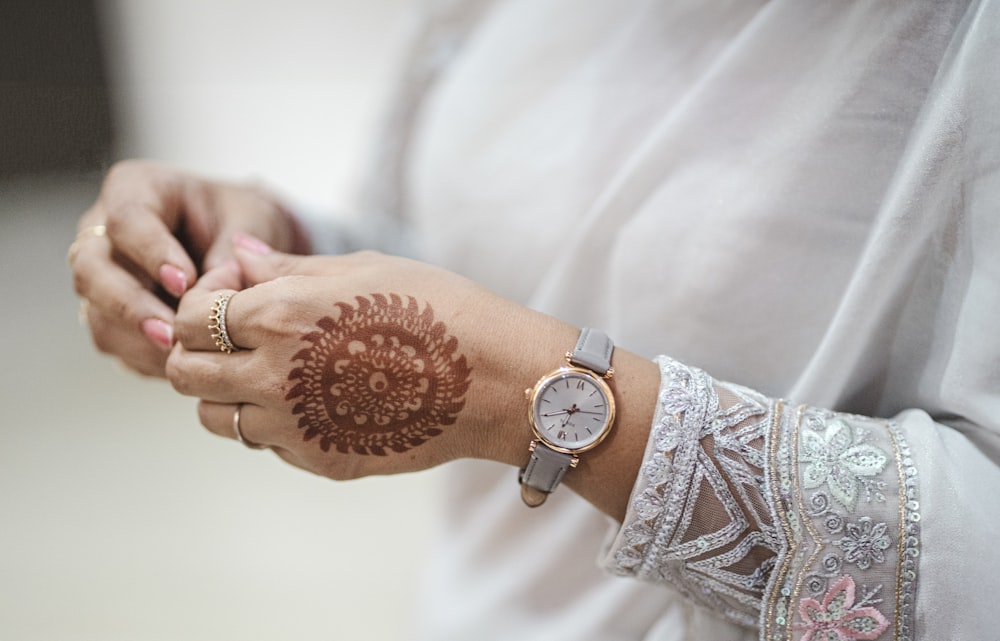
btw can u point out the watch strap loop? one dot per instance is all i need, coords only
(593, 351)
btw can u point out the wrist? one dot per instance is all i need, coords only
(529, 346)
(534, 346)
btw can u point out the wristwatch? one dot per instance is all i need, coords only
(571, 411)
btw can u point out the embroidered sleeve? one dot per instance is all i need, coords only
(799, 521)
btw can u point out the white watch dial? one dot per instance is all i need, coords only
(572, 410)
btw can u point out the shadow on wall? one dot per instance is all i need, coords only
(54, 100)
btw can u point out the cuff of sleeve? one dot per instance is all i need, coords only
(692, 520)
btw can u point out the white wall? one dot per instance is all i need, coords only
(283, 91)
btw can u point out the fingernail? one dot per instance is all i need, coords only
(251, 243)
(158, 331)
(174, 280)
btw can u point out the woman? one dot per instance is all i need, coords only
(794, 197)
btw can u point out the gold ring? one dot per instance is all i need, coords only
(239, 433)
(96, 231)
(217, 323)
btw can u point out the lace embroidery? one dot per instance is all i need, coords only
(706, 450)
(804, 522)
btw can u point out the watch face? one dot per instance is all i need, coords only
(572, 410)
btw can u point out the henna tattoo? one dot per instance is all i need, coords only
(382, 376)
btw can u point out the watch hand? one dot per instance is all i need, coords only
(557, 413)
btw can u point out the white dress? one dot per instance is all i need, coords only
(799, 197)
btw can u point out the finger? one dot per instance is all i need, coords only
(111, 281)
(252, 317)
(214, 376)
(204, 321)
(124, 317)
(144, 207)
(220, 252)
(228, 275)
(222, 419)
(133, 349)
(260, 216)
(84, 233)
(203, 314)
(261, 264)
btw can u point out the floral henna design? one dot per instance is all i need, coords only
(382, 376)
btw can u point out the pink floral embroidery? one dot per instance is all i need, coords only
(836, 619)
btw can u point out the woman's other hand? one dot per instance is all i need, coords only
(145, 241)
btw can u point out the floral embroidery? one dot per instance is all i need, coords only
(865, 542)
(836, 461)
(837, 618)
(833, 496)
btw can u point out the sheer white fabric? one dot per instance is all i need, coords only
(797, 196)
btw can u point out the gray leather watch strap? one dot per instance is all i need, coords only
(545, 468)
(593, 351)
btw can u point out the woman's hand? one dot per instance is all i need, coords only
(367, 364)
(142, 243)
(363, 364)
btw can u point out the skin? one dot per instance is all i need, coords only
(348, 366)
(164, 229)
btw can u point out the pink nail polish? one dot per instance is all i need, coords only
(251, 243)
(158, 331)
(174, 280)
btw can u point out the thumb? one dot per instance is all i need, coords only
(227, 275)
(260, 263)
(220, 251)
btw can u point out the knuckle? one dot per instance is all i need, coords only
(203, 414)
(103, 338)
(126, 170)
(80, 281)
(184, 332)
(124, 309)
(367, 255)
(177, 373)
(188, 375)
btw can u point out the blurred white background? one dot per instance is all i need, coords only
(120, 517)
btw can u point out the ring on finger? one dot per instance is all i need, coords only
(95, 231)
(239, 432)
(217, 323)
